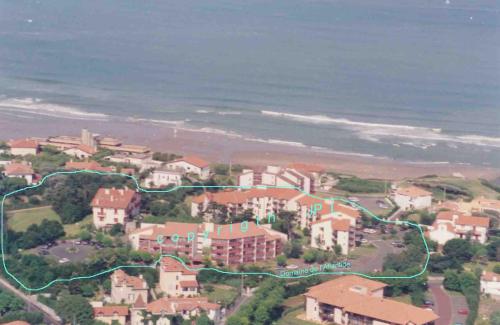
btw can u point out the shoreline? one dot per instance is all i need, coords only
(226, 148)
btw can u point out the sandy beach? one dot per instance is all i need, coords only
(227, 148)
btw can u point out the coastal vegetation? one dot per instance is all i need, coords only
(358, 185)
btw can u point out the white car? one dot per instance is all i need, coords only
(353, 199)
(364, 241)
(63, 260)
(369, 231)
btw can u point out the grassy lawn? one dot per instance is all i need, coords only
(472, 185)
(291, 318)
(472, 266)
(73, 230)
(403, 298)
(225, 295)
(362, 251)
(20, 220)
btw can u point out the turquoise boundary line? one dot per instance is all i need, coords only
(153, 265)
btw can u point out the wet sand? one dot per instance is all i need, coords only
(227, 148)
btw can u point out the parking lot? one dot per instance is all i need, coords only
(69, 251)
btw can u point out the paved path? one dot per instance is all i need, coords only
(442, 302)
(49, 314)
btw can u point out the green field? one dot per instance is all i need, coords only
(20, 220)
(291, 318)
(224, 295)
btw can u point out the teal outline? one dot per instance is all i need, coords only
(153, 265)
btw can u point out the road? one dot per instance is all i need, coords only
(442, 301)
(49, 314)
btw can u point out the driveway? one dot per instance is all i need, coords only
(442, 301)
(368, 263)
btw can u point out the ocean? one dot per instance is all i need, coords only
(413, 80)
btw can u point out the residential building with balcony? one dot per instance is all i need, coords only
(111, 314)
(451, 224)
(352, 299)
(112, 206)
(329, 232)
(490, 284)
(163, 177)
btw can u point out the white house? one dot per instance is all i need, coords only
(19, 171)
(451, 224)
(81, 151)
(192, 164)
(111, 314)
(490, 284)
(112, 206)
(23, 147)
(412, 198)
(329, 232)
(163, 176)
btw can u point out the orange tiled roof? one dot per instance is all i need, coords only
(18, 169)
(353, 294)
(109, 311)
(240, 197)
(23, 143)
(336, 224)
(17, 322)
(139, 302)
(488, 203)
(225, 232)
(193, 160)
(176, 305)
(120, 278)
(463, 220)
(170, 228)
(345, 209)
(490, 276)
(412, 191)
(113, 198)
(169, 264)
(307, 167)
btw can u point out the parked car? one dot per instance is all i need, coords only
(364, 241)
(78, 242)
(63, 260)
(43, 252)
(369, 231)
(463, 311)
(428, 303)
(353, 199)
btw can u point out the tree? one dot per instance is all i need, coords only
(309, 256)
(458, 249)
(496, 269)
(75, 309)
(281, 260)
(203, 320)
(116, 229)
(85, 235)
(451, 280)
(293, 249)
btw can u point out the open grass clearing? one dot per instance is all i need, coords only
(20, 220)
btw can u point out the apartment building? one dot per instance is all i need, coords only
(126, 288)
(451, 224)
(353, 299)
(261, 201)
(81, 151)
(299, 176)
(185, 239)
(176, 280)
(229, 244)
(143, 161)
(112, 206)
(234, 244)
(192, 165)
(412, 198)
